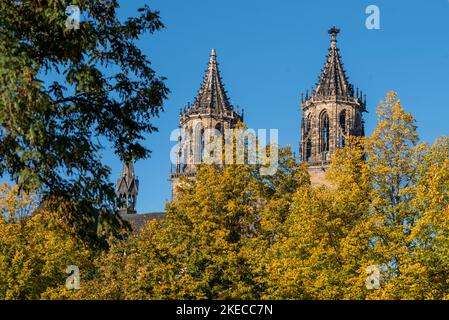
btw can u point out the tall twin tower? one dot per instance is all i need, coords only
(211, 109)
(330, 114)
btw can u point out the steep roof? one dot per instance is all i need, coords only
(212, 97)
(138, 221)
(128, 181)
(333, 80)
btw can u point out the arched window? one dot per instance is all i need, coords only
(186, 148)
(201, 144)
(198, 144)
(325, 135)
(308, 150)
(343, 121)
(358, 120)
(123, 201)
(308, 123)
(190, 139)
(343, 129)
(131, 202)
(218, 127)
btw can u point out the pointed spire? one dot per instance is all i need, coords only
(212, 94)
(128, 170)
(334, 32)
(127, 189)
(333, 80)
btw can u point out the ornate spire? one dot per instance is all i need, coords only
(333, 80)
(334, 32)
(212, 96)
(127, 189)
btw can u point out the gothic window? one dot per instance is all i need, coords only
(125, 201)
(325, 135)
(343, 121)
(190, 146)
(308, 123)
(218, 127)
(308, 150)
(218, 131)
(358, 120)
(122, 201)
(131, 202)
(198, 144)
(341, 141)
(343, 129)
(201, 145)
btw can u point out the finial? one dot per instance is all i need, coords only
(333, 32)
(212, 61)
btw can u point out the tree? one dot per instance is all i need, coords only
(322, 249)
(423, 271)
(394, 156)
(36, 247)
(103, 89)
(195, 253)
(209, 246)
(235, 234)
(430, 234)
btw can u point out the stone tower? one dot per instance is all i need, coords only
(211, 109)
(127, 189)
(331, 113)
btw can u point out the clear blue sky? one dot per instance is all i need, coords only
(271, 51)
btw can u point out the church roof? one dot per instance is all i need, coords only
(333, 80)
(212, 96)
(138, 221)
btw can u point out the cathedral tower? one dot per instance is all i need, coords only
(211, 109)
(127, 189)
(331, 113)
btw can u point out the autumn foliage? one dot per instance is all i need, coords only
(234, 234)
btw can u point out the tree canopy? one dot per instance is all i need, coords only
(379, 230)
(103, 90)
